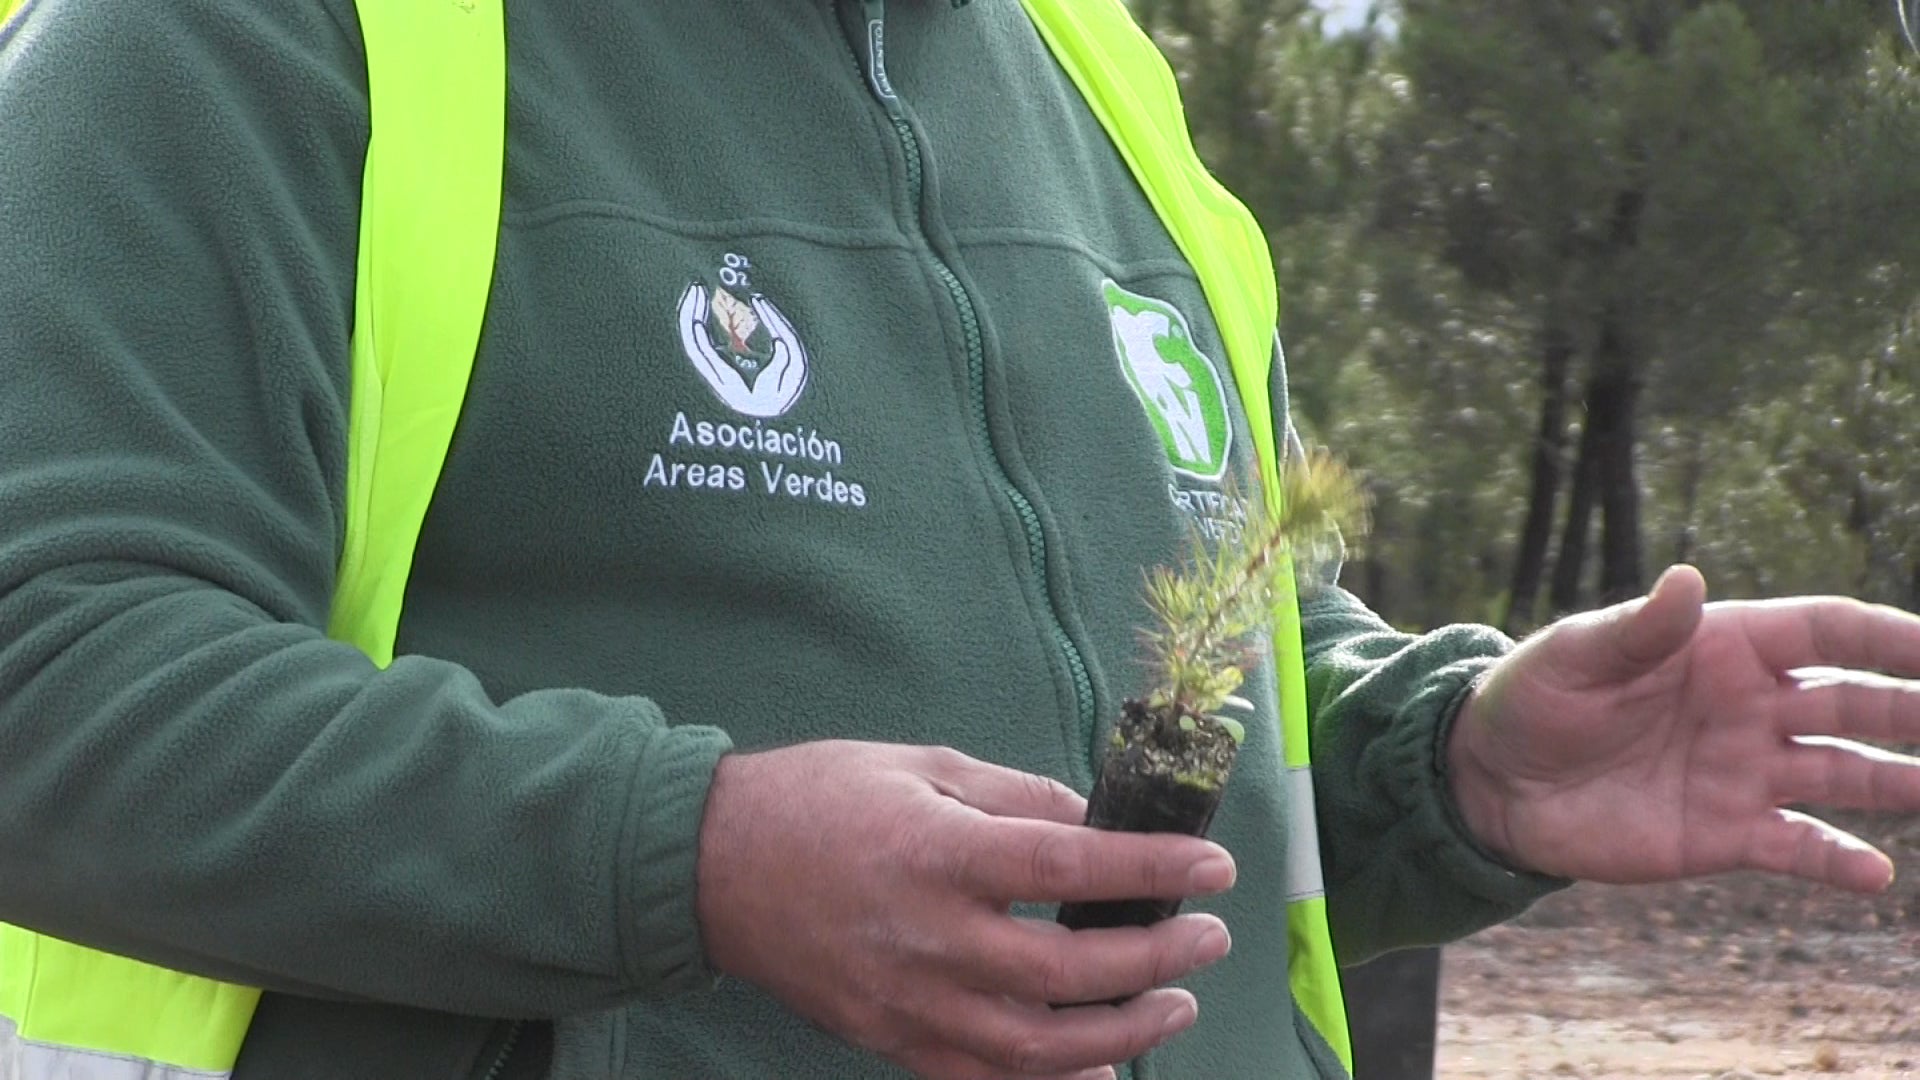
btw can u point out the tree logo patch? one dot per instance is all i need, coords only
(1178, 386)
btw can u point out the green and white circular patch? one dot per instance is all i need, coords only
(1178, 386)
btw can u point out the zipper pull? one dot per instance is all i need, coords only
(876, 46)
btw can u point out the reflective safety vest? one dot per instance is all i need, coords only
(430, 209)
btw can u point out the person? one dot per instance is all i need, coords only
(740, 719)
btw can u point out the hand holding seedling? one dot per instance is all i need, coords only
(1662, 738)
(867, 887)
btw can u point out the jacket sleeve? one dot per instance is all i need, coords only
(1401, 868)
(190, 772)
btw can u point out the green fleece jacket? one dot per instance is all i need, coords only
(809, 405)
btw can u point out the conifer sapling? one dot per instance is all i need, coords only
(1169, 757)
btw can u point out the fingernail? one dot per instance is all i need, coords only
(1211, 947)
(1213, 874)
(1180, 1019)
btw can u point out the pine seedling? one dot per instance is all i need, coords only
(1210, 613)
(1166, 766)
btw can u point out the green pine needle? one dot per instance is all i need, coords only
(1210, 611)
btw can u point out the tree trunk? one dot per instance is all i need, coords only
(1543, 496)
(1373, 573)
(1693, 469)
(1369, 575)
(1570, 565)
(1616, 365)
(1610, 409)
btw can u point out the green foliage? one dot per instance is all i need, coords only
(1816, 494)
(1722, 196)
(1209, 612)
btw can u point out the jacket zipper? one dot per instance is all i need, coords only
(875, 71)
(498, 1068)
(875, 66)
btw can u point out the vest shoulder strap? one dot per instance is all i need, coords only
(429, 225)
(1131, 90)
(429, 218)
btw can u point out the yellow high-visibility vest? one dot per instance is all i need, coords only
(430, 216)
(429, 219)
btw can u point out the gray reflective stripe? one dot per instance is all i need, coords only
(25, 1059)
(1304, 877)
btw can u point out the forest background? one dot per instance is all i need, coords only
(1584, 289)
(1588, 288)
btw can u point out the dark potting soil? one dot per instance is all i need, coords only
(1156, 777)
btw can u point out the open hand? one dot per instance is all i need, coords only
(1662, 738)
(867, 887)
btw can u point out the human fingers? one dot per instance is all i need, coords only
(1792, 843)
(1856, 704)
(1003, 792)
(1850, 775)
(1045, 963)
(1623, 642)
(1834, 632)
(1649, 631)
(1013, 859)
(1032, 1040)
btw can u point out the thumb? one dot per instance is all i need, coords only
(1630, 639)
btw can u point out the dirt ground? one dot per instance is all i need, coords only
(1726, 979)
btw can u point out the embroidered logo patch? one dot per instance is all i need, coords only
(1178, 386)
(741, 344)
(749, 355)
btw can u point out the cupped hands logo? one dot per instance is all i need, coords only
(1178, 386)
(741, 344)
